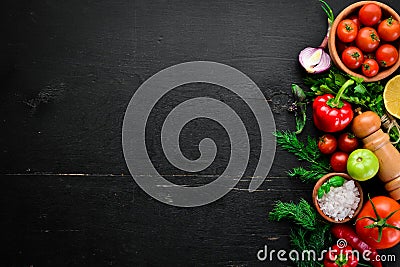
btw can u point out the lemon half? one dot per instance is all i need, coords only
(391, 96)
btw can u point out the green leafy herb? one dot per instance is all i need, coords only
(335, 181)
(363, 94)
(302, 213)
(311, 234)
(299, 107)
(308, 152)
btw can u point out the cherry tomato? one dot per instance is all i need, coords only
(327, 144)
(370, 14)
(356, 20)
(367, 39)
(352, 57)
(339, 161)
(347, 142)
(347, 31)
(384, 207)
(386, 55)
(389, 29)
(370, 67)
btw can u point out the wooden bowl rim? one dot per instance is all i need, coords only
(332, 41)
(322, 180)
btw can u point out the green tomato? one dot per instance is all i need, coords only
(362, 164)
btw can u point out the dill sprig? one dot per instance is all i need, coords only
(311, 233)
(302, 213)
(308, 152)
(316, 240)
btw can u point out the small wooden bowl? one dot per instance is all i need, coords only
(336, 58)
(323, 180)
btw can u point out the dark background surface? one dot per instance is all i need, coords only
(68, 71)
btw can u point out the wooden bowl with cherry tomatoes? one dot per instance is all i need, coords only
(364, 40)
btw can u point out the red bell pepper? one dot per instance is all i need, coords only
(331, 114)
(340, 257)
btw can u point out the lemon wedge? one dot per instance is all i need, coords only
(391, 96)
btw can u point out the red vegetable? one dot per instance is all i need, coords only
(352, 57)
(347, 31)
(347, 142)
(367, 39)
(327, 144)
(389, 29)
(340, 257)
(378, 223)
(339, 161)
(331, 114)
(347, 233)
(386, 55)
(370, 67)
(370, 14)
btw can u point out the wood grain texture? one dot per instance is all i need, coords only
(68, 70)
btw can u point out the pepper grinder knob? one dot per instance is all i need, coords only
(367, 126)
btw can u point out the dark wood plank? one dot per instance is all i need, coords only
(68, 70)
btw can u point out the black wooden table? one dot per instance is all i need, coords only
(69, 70)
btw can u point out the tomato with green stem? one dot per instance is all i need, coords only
(352, 57)
(370, 67)
(386, 55)
(347, 142)
(347, 31)
(378, 223)
(389, 29)
(327, 144)
(367, 39)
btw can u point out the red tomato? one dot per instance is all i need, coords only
(356, 20)
(352, 57)
(370, 14)
(367, 39)
(384, 207)
(327, 144)
(389, 29)
(339, 161)
(347, 142)
(347, 31)
(370, 67)
(386, 55)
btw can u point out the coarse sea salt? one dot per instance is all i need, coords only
(340, 202)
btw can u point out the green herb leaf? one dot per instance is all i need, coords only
(302, 214)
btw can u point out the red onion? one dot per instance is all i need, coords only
(316, 60)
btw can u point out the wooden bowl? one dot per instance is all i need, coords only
(336, 58)
(323, 180)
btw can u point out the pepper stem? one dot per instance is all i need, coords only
(335, 102)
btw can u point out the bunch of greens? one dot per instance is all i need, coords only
(368, 96)
(311, 233)
(309, 152)
(364, 95)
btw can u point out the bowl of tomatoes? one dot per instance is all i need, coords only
(364, 40)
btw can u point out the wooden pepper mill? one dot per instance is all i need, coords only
(367, 126)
